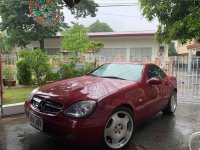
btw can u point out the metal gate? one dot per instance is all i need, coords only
(187, 72)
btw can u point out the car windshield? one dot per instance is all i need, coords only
(119, 71)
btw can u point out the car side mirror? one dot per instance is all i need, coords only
(154, 81)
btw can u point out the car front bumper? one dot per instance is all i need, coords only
(76, 132)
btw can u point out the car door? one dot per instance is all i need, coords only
(163, 89)
(152, 92)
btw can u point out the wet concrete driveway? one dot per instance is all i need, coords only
(158, 133)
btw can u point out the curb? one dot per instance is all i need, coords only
(13, 109)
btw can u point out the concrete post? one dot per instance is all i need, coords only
(189, 60)
(128, 54)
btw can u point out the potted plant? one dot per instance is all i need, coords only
(9, 72)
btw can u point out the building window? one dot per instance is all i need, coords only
(112, 54)
(141, 54)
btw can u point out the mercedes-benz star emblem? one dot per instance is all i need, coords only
(42, 105)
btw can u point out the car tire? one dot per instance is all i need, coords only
(172, 104)
(119, 129)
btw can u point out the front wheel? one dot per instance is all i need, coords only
(119, 129)
(171, 108)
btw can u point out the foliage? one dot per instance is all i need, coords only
(76, 39)
(96, 46)
(70, 70)
(22, 29)
(5, 43)
(52, 76)
(172, 50)
(24, 75)
(9, 72)
(38, 62)
(67, 70)
(99, 27)
(179, 20)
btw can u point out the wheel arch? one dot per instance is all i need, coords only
(126, 106)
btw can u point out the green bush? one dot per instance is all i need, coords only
(69, 70)
(51, 76)
(38, 62)
(23, 72)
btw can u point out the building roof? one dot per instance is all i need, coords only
(118, 34)
(193, 46)
(122, 34)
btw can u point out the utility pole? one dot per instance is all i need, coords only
(1, 88)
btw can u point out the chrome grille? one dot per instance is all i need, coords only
(46, 105)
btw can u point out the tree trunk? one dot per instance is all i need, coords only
(42, 45)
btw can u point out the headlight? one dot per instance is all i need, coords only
(32, 93)
(81, 109)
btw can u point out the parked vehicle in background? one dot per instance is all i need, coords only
(104, 106)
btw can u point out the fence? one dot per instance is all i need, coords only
(187, 72)
(9, 59)
(185, 69)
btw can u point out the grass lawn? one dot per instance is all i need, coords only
(16, 95)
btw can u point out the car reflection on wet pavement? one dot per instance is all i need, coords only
(158, 133)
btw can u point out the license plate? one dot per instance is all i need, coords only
(36, 121)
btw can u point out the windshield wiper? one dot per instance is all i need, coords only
(113, 77)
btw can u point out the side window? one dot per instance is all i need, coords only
(161, 74)
(154, 71)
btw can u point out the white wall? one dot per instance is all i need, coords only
(48, 43)
(133, 42)
(117, 42)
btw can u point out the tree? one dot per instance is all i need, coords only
(95, 46)
(76, 39)
(99, 27)
(5, 43)
(172, 50)
(22, 29)
(179, 19)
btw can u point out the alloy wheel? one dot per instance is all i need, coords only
(173, 102)
(118, 130)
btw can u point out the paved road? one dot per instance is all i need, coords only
(158, 133)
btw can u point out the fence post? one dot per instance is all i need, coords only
(190, 61)
(198, 67)
(175, 65)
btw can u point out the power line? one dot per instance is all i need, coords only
(119, 5)
(119, 15)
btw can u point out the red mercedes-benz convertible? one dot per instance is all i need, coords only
(103, 106)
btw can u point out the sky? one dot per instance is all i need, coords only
(126, 18)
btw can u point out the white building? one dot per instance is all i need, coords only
(140, 45)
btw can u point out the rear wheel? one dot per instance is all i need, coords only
(171, 108)
(119, 129)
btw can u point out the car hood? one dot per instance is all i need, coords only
(82, 88)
